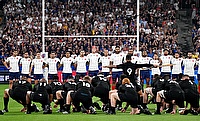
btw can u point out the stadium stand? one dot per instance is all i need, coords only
(158, 26)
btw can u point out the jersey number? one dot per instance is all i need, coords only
(86, 84)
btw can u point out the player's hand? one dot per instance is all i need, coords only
(123, 110)
(55, 106)
(9, 68)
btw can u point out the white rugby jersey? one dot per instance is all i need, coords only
(144, 60)
(93, 61)
(177, 67)
(66, 62)
(117, 59)
(52, 63)
(189, 66)
(14, 63)
(166, 60)
(105, 60)
(81, 64)
(134, 59)
(157, 69)
(25, 63)
(38, 65)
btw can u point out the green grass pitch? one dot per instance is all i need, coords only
(14, 114)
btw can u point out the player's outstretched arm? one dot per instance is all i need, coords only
(110, 66)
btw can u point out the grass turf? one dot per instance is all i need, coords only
(15, 114)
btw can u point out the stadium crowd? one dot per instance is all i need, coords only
(23, 29)
(21, 45)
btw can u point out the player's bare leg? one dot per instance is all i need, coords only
(28, 102)
(112, 91)
(113, 98)
(158, 101)
(36, 82)
(10, 84)
(68, 103)
(60, 100)
(6, 100)
(147, 82)
(134, 111)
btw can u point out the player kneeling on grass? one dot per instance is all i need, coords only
(126, 93)
(41, 93)
(172, 94)
(18, 93)
(150, 91)
(101, 89)
(69, 85)
(83, 95)
(191, 94)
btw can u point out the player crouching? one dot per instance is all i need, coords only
(41, 93)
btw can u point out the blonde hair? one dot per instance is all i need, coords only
(126, 81)
(87, 78)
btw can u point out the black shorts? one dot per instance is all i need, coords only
(18, 94)
(178, 96)
(193, 100)
(64, 94)
(131, 99)
(102, 93)
(42, 98)
(83, 97)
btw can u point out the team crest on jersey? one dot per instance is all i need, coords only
(192, 60)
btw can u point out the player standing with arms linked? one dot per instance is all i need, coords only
(67, 62)
(189, 63)
(38, 65)
(52, 64)
(80, 64)
(25, 63)
(105, 61)
(93, 62)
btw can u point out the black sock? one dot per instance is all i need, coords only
(119, 103)
(6, 100)
(29, 107)
(68, 107)
(113, 109)
(158, 106)
(144, 105)
(61, 102)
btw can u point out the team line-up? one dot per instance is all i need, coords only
(169, 87)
